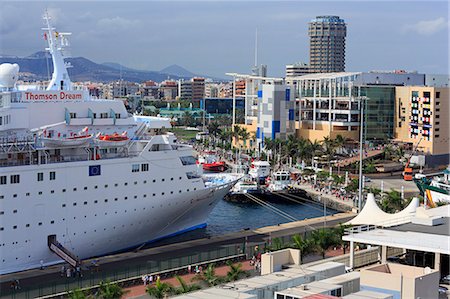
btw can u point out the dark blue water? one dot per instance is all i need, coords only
(231, 217)
(228, 217)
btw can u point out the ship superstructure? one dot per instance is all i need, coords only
(88, 176)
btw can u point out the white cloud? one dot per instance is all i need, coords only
(117, 23)
(427, 27)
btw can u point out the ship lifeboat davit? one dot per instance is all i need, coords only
(113, 140)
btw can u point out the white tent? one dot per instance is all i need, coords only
(371, 214)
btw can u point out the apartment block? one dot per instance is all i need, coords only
(422, 114)
(193, 89)
(275, 111)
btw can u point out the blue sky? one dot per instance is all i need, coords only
(214, 37)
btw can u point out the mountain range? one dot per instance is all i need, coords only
(39, 66)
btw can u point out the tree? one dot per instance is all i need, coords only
(277, 244)
(160, 289)
(244, 135)
(340, 231)
(392, 201)
(187, 119)
(110, 290)
(184, 287)
(235, 271)
(305, 245)
(236, 134)
(209, 276)
(77, 294)
(324, 239)
(314, 148)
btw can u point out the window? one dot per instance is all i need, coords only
(135, 168)
(73, 115)
(40, 176)
(188, 160)
(438, 94)
(104, 115)
(144, 167)
(52, 175)
(3, 180)
(15, 179)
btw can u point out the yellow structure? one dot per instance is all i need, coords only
(422, 112)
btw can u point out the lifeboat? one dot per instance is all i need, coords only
(72, 141)
(113, 140)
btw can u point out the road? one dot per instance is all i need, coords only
(394, 183)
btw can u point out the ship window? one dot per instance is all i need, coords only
(63, 190)
(163, 180)
(135, 196)
(52, 191)
(52, 175)
(115, 185)
(15, 179)
(15, 226)
(154, 181)
(15, 211)
(95, 201)
(85, 202)
(74, 203)
(40, 192)
(145, 195)
(145, 182)
(63, 205)
(95, 187)
(104, 115)
(125, 184)
(27, 194)
(144, 167)
(85, 188)
(28, 225)
(106, 200)
(73, 115)
(135, 183)
(188, 160)
(74, 189)
(135, 168)
(40, 176)
(53, 221)
(14, 195)
(40, 223)
(106, 186)
(2, 213)
(1, 228)
(3, 180)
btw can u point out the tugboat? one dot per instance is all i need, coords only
(259, 170)
(244, 186)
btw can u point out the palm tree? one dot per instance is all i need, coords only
(110, 290)
(160, 289)
(277, 244)
(324, 239)
(388, 152)
(305, 245)
(235, 271)
(184, 287)
(392, 201)
(209, 276)
(340, 231)
(244, 134)
(314, 148)
(236, 134)
(77, 294)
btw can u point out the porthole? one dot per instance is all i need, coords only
(27, 194)
(106, 200)
(15, 195)
(154, 181)
(85, 188)
(85, 203)
(63, 205)
(162, 193)
(171, 192)
(95, 201)
(171, 179)
(15, 226)
(135, 183)
(63, 190)
(52, 222)
(106, 186)
(126, 184)
(145, 182)
(74, 189)
(115, 185)
(52, 191)
(154, 194)
(125, 198)
(74, 203)
(95, 187)
(15, 211)
(40, 192)
(163, 180)
(179, 178)
(135, 196)
(27, 225)
(40, 223)
(115, 199)
(145, 195)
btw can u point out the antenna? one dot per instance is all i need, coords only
(256, 47)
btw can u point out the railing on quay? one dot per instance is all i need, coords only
(128, 275)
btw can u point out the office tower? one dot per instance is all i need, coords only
(327, 44)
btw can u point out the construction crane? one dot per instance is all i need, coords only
(408, 171)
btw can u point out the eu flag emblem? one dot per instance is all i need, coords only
(94, 170)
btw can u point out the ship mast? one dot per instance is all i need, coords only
(57, 42)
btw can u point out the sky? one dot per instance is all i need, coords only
(215, 37)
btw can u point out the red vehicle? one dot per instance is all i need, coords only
(219, 166)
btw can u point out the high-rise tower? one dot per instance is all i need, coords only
(327, 44)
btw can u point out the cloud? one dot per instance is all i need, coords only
(427, 27)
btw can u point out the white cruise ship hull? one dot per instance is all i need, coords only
(96, 215)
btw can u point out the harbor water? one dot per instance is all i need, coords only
(229, 217)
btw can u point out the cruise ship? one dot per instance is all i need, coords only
(81, 177)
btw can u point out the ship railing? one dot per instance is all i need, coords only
(63, 159)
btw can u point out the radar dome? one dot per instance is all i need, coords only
(9, 73)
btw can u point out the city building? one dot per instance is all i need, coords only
(297, 69)
(120, 89)
(150, 90)
(240, 87)
(421, 114)
(327, 44)
(211, 90)
(193, 89)
(329, 104)
(276, 112)
(401, 281)
(168, 90)
(436, 80)
(221, 105)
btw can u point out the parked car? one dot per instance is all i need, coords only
(445, 279)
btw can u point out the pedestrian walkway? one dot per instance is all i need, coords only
(138, 292)
(327, 196)
(351, 160)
